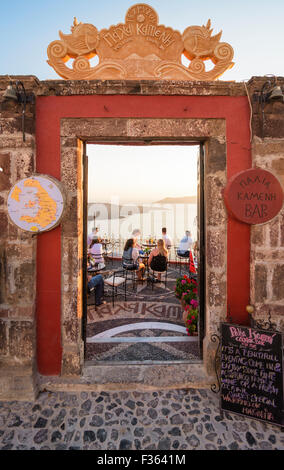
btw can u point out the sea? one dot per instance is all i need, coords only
(117, 221)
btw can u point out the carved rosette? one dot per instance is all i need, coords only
(139, 49)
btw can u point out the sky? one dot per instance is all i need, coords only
(146, 174)
(254, 28)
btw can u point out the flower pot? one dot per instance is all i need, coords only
(193, 333)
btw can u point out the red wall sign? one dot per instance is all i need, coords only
(254, 196)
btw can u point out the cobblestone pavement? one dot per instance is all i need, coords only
(162, 420)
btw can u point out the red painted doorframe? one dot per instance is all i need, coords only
(50, 110)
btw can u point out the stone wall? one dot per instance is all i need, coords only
(18, 373)
(214, 131)
(267, 240)
(17, 253)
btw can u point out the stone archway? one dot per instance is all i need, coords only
(72, 133)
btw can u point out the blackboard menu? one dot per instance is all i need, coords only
(252, 372)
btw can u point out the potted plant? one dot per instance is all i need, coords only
(191, 318)
(186, 290)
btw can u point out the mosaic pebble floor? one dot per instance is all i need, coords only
(160, 420)
(152, 317)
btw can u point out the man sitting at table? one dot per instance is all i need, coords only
(96, 283)
(130, 258)
(166, 238)
(92, 235)
(185, 245)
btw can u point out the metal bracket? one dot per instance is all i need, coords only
(264, 325)
(216, 387)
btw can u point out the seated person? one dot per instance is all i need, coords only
(92, 235)
(185, 245)
(135, 234)
(96, 252)
(158, 258)
(166, 238)
(130, 258)
(97, 283)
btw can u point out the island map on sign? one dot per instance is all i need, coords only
(35, 204)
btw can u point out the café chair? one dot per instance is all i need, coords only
(153, 279)
(116, 281)
(130, 269)
(181, 260)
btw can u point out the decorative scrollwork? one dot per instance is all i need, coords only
(264, 325)
(216, 387)
(224, 52)
(140, 48)
(81, 63)
(57, 50)
(197, 66)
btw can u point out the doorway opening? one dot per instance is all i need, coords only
(134, 190)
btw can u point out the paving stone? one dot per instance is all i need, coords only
(89, 436)
(193, 441)
(41, 423)
(163, 420)
(97, 421)
(125, 444)
(250, 439)
(164, 444)
(41, 436)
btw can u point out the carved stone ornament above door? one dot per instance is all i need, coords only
(140, 48)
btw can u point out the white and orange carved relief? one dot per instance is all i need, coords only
(140, 48)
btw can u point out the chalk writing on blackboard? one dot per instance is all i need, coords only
(252, 373)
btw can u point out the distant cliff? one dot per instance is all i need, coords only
(107, 211)
(178, 200)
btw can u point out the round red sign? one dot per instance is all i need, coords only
(254, 196)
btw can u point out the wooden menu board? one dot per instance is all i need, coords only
(252, 373)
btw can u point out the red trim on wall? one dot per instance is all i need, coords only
(49, 111)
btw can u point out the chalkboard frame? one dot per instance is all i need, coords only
(280, 422)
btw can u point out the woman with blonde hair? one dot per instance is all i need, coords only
(158, 258)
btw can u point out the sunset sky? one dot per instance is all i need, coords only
(254, 29)
(141, 174)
